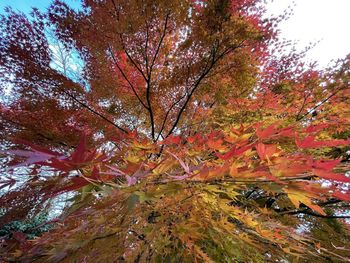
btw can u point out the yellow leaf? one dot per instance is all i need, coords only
(142, 146)
(132, 159)
(164, 167)
(297, 197)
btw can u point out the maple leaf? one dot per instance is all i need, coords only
(267, 132)
(309, 142)
(316, 128)
(74, 184)
(298, 197)
(216, 144)
(172, 140)
(342, 196)
(183, 120)
(266, 151)
(234, 152)
(273, 131)
(324, 174)
(32, 157)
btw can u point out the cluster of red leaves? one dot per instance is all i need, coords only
(245, 154)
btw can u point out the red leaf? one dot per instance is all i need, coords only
(95, 174)
(316, 128)
(309, 142)
(271, 131)
(215, 144)
(19, 236)
(196, 138)
(287, 132)
(213, 135)
(36, 148)
(331, 176)
(32, 157)
(172, 140)
(267, 132)
(265, 151)
(78, 155)
(75, 184)
(132, 134)
(234, 152)
(326, 165)
(342, 196)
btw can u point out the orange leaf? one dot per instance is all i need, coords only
(216, 145)
(266, 151)
(297, 197)
(233, 170)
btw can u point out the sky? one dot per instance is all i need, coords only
(26, 5)
(326, 21)
(323, 21)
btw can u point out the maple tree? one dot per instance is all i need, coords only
(189, 135)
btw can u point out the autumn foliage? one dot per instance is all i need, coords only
(189, 134)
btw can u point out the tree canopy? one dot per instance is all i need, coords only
(173, 131)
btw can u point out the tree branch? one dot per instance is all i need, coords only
(126, 78)
(159, 44)
(307, 211)
(319, 105)
(131, 59)
(167, 114)
(148, 82)
(302, 106)
(206, 70)
(38, 133)
(93, 111)
(148, 89)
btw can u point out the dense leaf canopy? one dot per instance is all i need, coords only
(172, 131)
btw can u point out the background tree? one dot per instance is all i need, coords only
(198, 137)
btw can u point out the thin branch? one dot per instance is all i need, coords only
(131, 59)
(159, 44)
(126, 78)
(196, 85)
(302, 106)
(311, 213)
(115, 9)
(148, 98)
(206, 70)
(148, 80)
(94, 112)
(320, 104)
(167, 114)
(146, 48)
(38, 133)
